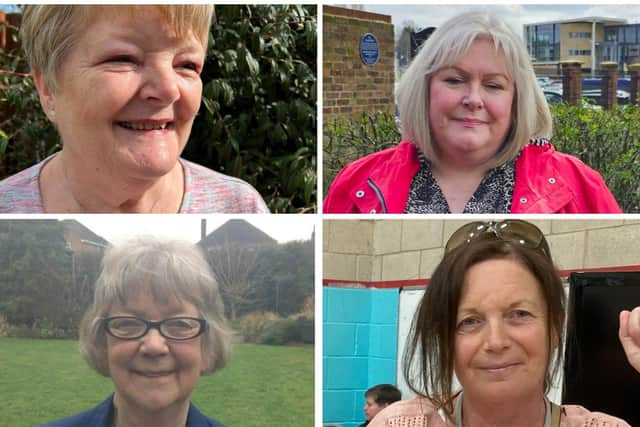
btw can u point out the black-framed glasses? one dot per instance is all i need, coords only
(511, 230)
(174, 328)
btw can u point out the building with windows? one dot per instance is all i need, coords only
(581, 39)
(622, 44)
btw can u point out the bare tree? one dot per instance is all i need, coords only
(232, 264)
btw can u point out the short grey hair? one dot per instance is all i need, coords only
(530, 115)
(166, 269)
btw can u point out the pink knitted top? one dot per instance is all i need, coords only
(419, 412)
(205, 191)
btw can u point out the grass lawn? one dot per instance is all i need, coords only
(264, 386)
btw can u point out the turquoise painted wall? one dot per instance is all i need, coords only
(360, 336)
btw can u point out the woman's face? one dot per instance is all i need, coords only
(470, 106)
(501, 347)
(128, 92)
(151, 372)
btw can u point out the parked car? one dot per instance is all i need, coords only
(622, 96)
(543, 81)
(554, 96)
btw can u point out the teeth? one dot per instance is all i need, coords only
(143, 126)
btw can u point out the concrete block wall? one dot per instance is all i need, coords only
(405, 249)
(359, 346)
(349, 86)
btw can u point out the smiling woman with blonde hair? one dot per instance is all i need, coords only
(475, 130)
(122, 86)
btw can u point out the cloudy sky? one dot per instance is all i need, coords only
(516, 14)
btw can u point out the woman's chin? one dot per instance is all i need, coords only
(152, 166)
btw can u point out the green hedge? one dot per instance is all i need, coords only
(606, 140)
(349, 138)
(257, 120)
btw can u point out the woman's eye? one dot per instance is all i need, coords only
(453, 80)
(495, 86)
(468, 323)
(190, 66)
(520, 314)
(122, 58)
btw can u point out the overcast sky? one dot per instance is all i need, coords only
(115, 228)
(516, 14)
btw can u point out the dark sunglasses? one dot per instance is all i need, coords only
(511, 230)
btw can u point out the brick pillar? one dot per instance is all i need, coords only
(609, 84)
(634, 69)
(571, 81)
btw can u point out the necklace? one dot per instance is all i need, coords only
(457, 411)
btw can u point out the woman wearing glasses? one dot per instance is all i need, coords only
(156, 324)
(492, 314)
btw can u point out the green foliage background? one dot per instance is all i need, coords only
(349, 138)
(258, 116)
(606, 140)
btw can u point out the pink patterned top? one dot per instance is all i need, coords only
(419, 412)
(205, 191)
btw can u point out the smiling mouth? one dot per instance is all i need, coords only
(154, 374)
(139, 126)
(499, 368)
(471, 122)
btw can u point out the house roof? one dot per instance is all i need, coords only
(237, 231)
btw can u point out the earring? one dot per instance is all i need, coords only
(52, 113)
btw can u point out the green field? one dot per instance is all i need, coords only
(41, 380)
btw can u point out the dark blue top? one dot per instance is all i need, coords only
(102, 416)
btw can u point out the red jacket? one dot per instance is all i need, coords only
(547, 181)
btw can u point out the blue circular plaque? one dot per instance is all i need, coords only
(369, 49)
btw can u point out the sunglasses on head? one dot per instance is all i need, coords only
(511, 230)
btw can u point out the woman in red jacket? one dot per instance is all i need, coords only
(475, 130)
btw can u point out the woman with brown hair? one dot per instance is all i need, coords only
(492, 315)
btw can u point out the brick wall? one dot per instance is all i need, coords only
(388, 250)
(349, 86)
(358, 351)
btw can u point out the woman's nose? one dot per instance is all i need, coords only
(161, 84)
(497, 336)
(473, 98)
(154, 343)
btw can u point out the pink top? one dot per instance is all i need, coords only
(419, 412)
(205, 191)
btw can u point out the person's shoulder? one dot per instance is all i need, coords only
(208, 191)
(416, 411)
(578, 416)
(400, 153)
(392, 163)
(99, 416)
(20, 193)
(546, 153)
(549, 171)
(195, 418)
